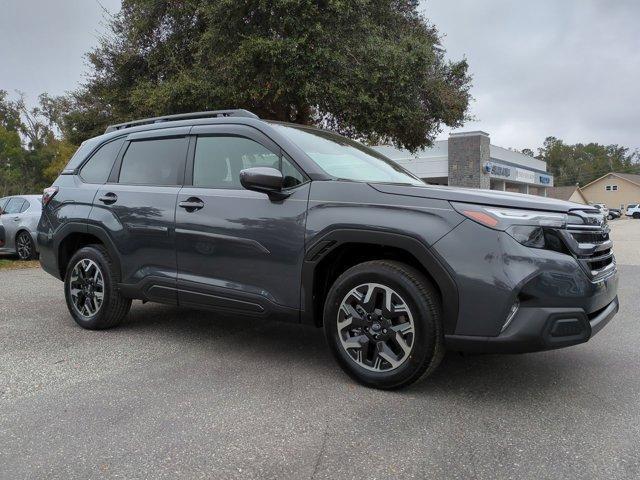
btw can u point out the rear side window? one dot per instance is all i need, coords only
(97, 169)
(219, 160)
(153, 162)
(14, 205)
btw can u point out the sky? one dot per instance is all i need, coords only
(563, 68)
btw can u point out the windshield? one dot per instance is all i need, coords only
(346, 159)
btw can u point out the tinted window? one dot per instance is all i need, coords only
(25, 206)
(219, 160)
(97, 169)
(3, 201)
(14, 205)
(346, 159)
(153, 162)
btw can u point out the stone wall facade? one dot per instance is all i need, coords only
(468, 152)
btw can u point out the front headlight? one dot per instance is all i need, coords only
(525, 226)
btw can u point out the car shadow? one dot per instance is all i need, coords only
(489, 378)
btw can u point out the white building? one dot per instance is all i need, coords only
(468, 159)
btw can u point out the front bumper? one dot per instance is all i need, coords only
(536, 329)
(559, 304)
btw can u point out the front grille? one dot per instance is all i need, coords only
(587, 239)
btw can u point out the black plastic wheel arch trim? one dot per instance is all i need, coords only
(429, 260)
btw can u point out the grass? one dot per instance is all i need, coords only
(10, 264)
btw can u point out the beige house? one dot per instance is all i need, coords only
(571, 194)
(616, 190)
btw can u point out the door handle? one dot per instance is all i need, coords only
(16, 219)
(109, 198)
(192, 204)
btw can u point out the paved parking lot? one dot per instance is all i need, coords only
(184, 394)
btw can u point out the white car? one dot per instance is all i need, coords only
(633, 210)
(603, 209)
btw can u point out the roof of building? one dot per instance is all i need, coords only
(562, 193)
(630, 177)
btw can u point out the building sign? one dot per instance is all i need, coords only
(525, 176)
(497, 170)
(515, 174)
(545, 179)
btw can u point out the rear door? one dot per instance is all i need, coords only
(10, 220)
(239, 249)
(137, 208)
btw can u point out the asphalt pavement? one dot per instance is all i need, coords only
(185, 394)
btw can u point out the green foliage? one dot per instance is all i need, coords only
(583, 163)
(31, 156)
(366, 68)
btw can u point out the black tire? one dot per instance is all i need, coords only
(25, 248)
(114, 307)
(610, 217)
(636, 215)
(423, 302)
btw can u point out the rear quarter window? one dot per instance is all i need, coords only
(98, 167)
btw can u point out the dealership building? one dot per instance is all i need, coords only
(467, 159)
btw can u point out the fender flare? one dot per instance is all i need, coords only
(75, 227)
(429, 260)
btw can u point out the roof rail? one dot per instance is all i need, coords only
(182, 116)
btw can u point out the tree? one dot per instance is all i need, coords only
(583, 163)
(528, 151)
(367, 68)
(31, 156)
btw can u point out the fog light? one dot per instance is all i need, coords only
(511, 315)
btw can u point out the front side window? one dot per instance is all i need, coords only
(153, 162)
(219, 159)
(346, 159)
(25, 206)
(14, 205)
(3, 202)
(97, 169)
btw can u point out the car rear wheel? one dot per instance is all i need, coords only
(382, 322)
(25, 248)
(91, 291)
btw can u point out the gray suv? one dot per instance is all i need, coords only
(225, 211)
(19, 217)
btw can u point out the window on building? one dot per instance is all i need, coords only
(614, 187)
(608, 188)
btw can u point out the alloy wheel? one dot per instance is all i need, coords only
(376, 327)
(24, 246)
(86, 288)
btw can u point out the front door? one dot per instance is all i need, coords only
(238, 249)
(137, 206)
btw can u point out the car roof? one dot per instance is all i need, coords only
(264, 126)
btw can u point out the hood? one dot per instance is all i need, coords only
(482, 197)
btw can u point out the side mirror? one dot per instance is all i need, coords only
(263, 179)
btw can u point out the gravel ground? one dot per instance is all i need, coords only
(185, 394)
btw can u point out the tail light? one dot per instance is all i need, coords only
(48, 194)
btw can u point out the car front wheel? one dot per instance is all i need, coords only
(382, 322)
(91, 291)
